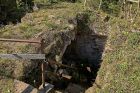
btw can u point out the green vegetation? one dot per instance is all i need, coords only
(120, 69)
(119, 72)
(111, 7)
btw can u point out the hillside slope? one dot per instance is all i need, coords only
(120, 69)
(49, 18)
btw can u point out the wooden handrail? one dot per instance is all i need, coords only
(20, 40)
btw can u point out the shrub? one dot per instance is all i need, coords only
(111, 6)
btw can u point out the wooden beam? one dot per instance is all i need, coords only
(20, 40)
(22, 56)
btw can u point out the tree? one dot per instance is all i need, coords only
(6, 6)
(28, 4)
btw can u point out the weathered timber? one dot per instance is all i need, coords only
(20, 40)
(23, 56)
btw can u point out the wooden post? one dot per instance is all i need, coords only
(43, 74)
(42, 64)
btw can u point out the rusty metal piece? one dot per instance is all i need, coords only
(20, 40)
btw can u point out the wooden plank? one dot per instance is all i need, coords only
(22, 56)
(20, 40)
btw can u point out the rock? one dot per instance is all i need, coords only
(133, 30)
(58, 91)
(51, 16)
(35, 8)
(58, 22)
(73, 88)
(21, 87)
